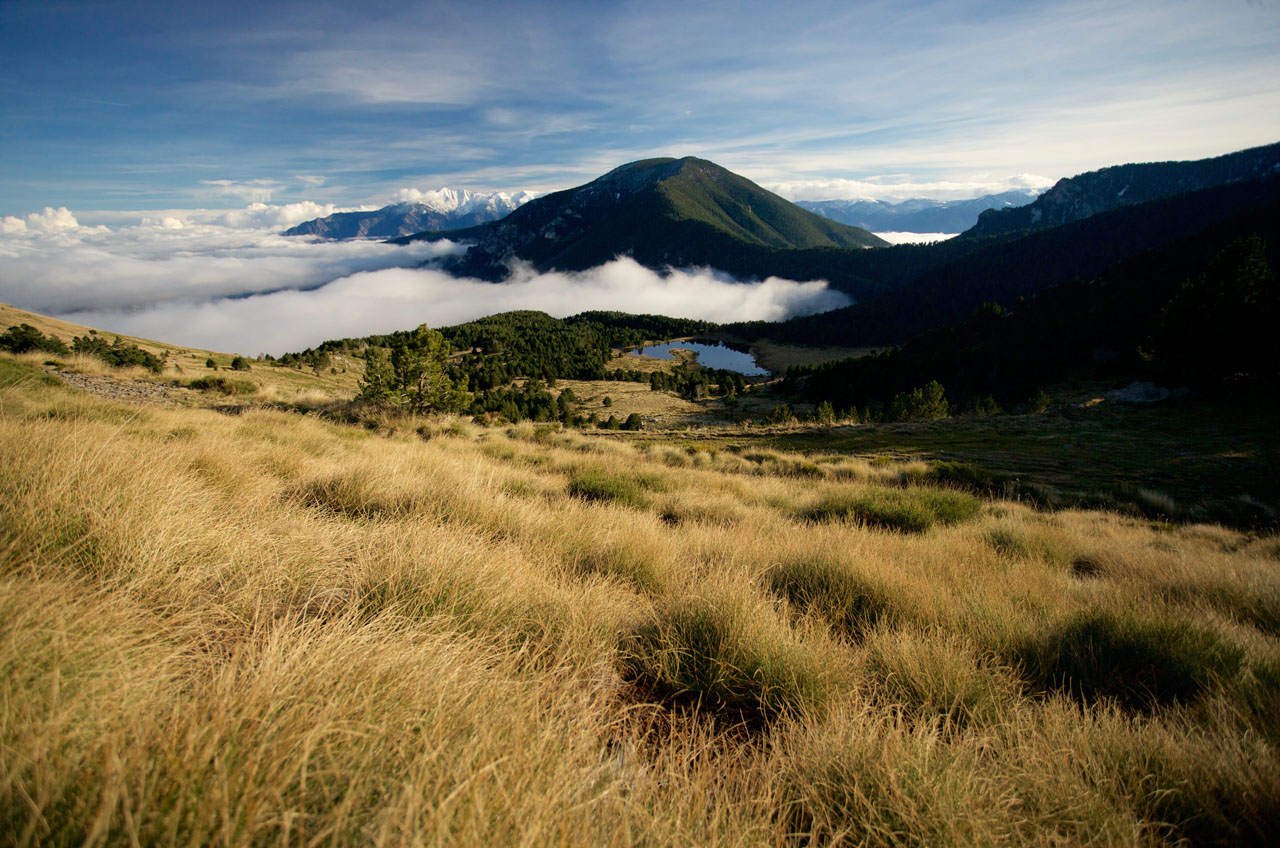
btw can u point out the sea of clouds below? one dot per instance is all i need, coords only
(227, 281)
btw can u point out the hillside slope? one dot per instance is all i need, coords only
(270, 628)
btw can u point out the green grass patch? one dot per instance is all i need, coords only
(968, 476)
(914, 509)
(595, 484)
(13, 371)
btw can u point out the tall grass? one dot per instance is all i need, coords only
(274, 629)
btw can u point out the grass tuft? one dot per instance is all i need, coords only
(1139, 661)
(728, 659)
(911, 510)
(600, 485)
(851, 603)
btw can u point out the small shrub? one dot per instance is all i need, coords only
(223, 385)
(1038, 402)
(24, 337)
(239, 363)
(781, 414)
(927, 403)
(119, 354)
(210, 364)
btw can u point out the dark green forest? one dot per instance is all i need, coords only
(1200, 313)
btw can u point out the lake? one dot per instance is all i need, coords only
(709, 356)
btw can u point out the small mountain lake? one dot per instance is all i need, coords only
(709, 356)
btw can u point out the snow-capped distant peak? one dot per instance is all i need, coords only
(450, 201)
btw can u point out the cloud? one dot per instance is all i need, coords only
(893, 191)
(279, 217)
(167, 258)
(915, 238)
(189, 277)
(49, 221)
(255, 216)
(401, 298)
(254, 191)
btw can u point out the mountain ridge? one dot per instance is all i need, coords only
(919, 214)
(1087, 194)
(439, 209)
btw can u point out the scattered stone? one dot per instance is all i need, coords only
(129, 391)
(1138, 394)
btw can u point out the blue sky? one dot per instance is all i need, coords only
(137, 105)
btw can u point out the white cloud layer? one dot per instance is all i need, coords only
(401, 298)
(915, 238)
(66, 267)
(234, 288)
(893, 192)
(50, 220)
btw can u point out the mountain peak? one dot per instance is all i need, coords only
(663, 212)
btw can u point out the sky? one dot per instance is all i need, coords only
(115, 104)
(150, 152)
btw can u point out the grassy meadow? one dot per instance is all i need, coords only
(271, 628)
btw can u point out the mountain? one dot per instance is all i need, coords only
(918, 215)
(1200, 308)
(937, 285)
(442, 209)
(661, 212)
(1081, 196)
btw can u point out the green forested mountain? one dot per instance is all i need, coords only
(1078, 197)
(660, 212)
(1198, 312)
(954, 278)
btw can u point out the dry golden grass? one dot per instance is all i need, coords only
(274, 385)
(272, 629)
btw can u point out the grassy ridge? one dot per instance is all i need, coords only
(271, 628)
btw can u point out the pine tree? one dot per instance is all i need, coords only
(414, 377)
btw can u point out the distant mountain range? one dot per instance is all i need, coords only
(442, 209)
(661, 212)
(918, 215)
(1078, 197)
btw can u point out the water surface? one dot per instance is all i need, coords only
(709, 356)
